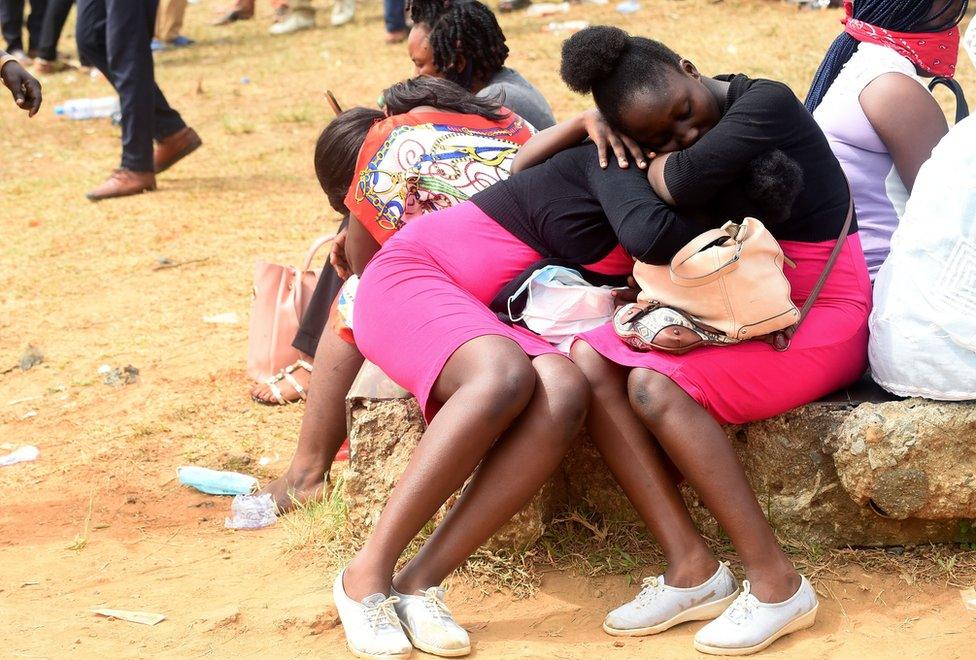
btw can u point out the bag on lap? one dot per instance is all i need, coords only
(280, 297)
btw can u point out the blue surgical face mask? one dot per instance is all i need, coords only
(214, 482)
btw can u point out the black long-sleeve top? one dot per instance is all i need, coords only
(570, 208)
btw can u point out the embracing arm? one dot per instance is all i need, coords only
(360, 245)
(907, 119)
(569, 133)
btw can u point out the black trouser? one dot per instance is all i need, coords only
(55, 17)
(115, 36)
(12, 23)
(317, 313)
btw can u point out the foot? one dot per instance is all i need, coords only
(397, 36)
(123, 183)
(280, 13)
(174, 148)
(287, 386)
(371, 625)
(157, 45)
(48, 67)
(429, 625)
(233, 16)
(660, 606)
(296, 487)
(343, 11)
(180, 42)
(295, 22)
(749, 625)
(22, 57)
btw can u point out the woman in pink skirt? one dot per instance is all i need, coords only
(654, 411)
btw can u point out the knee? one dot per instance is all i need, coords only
(595, 368)
(650, 393)
(506, 386)
(567, 395)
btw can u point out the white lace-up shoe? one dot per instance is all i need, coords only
(750, 625)
(296, 21)
(372, 628)
(659, 606)
(430, 625)
(343, 11)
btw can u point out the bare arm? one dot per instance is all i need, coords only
(655, 175)
(360, 246)
(907, 119)
(569, 133)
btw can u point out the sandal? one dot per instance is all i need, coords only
(285, 374)
(652, 326)
(233, 16)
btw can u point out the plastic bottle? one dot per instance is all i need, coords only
(251, 512)
(88, 108)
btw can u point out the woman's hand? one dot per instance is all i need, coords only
(24, 87)
(628, 294)
(603, 136)
(337, 258)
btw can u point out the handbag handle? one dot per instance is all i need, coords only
(841, 239)
(702, 241)
(316, 245)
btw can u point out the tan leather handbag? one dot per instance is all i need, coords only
(725, 286)
(281, 295)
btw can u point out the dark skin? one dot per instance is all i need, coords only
(422, 56)
(507, 419)
(24, 87)
(642, 422)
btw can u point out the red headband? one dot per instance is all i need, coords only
(933, 52)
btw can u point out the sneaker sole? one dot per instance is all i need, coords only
(433, 650)
(703, 612)
(374, 656)
(799, 623)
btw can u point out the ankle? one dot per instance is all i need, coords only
(410, 583)
(302, 474)
(691, 570)
(773, 584)
(361, 578)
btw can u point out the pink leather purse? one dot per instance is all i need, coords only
(281, 295)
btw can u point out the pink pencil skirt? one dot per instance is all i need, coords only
(752, 381)
(427, 291)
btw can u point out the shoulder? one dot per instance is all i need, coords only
(896, 94)
(762, 94)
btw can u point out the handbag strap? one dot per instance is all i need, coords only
(841, 239)
(319, 242)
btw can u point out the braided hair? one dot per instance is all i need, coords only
(895, 15)
(462, 31)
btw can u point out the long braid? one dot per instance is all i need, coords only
(463, 30)
(896, 15)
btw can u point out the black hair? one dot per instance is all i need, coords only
(462, 31)
(337, 149)
(772, 182)
(896, 15)
(615, 66)
(442, 94)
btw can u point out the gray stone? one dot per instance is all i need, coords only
(833, 474)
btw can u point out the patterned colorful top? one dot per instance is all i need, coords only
(420, 162)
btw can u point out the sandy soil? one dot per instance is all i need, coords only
(100, 521)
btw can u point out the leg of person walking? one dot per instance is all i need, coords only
(12, 26)
(35, 25)
(169, 24)
(301, 16)
(394, 16)
(55, 16)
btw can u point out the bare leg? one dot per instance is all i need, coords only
(642, 470)
(701, 450)
(485, 385)
(513, 471)
(323, 423)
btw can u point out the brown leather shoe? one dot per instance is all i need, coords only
(177, 146)
(123, 183)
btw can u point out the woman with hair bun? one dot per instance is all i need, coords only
(698, 138)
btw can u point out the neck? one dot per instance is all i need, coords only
(719, 90)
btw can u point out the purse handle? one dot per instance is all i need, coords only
(316, 245)
(841, 239)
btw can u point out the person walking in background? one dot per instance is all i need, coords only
(55, 16)
(243, 10)
(115, 36)
(24, 87)
(12, 27)
(395, 17)
(169, 22)
(301, 16)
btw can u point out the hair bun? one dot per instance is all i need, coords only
(590, 55)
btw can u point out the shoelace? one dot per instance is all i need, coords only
(382, 615)
(652, 587)
(743, 608)
(435, 605)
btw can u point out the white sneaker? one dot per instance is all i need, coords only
(372, 628)
(430, 625)
(343, 12)
(294, 22)
(750, 625)
(659, 606)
